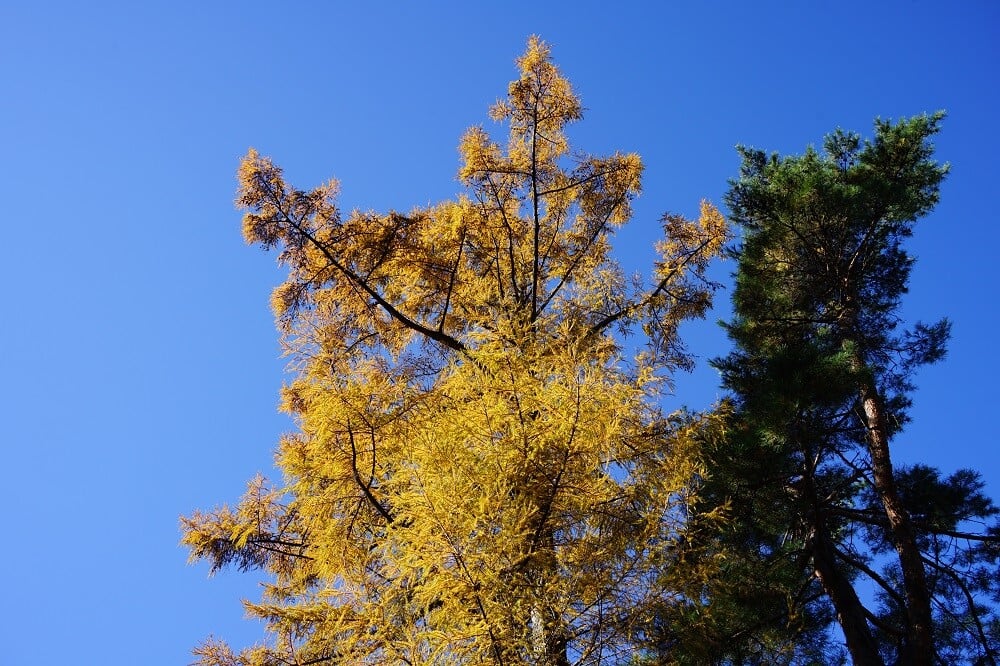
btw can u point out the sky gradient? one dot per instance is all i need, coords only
(140, 364)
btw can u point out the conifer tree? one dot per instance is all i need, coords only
(821, 377)
(482, 473)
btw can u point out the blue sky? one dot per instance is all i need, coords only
(140, 366)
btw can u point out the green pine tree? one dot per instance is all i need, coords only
(820, 377)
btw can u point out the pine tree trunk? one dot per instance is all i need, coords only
(920, 646)
(850, 611)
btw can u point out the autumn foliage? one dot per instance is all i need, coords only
(481, 471)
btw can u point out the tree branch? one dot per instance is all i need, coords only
(366, 488)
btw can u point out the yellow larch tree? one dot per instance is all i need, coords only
(482, 472)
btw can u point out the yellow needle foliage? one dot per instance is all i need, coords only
(481, 472)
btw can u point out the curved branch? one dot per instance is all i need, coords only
(366, 488)
(357, 280)
(969, 600)
(868, 571)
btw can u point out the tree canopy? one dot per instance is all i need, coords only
(821, 377)
(482, 471)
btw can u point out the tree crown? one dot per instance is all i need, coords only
(480, 474)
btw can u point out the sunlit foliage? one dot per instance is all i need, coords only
(481, 472)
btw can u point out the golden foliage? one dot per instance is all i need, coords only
(481, 474)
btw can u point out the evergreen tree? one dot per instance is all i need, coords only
(821, 376)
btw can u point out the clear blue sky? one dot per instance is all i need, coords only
(140, 366)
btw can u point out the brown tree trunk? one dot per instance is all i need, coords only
(920, 646)
(850, 611)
